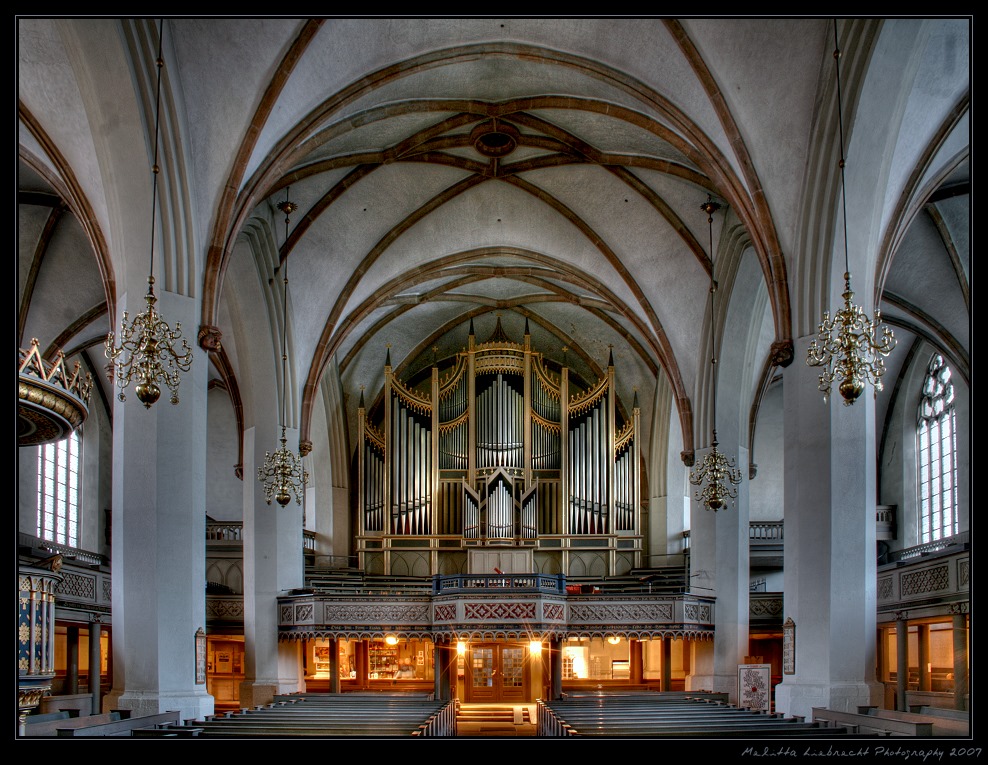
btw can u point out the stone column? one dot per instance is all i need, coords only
(901, 663)
(95, 664)
(334, 665)
(273, 564)
(719, 568)
(924, 657)
(666, 664)
(960, 660)
(159, 535)
(635, 660)
(360, 656)
(72, 660)
(438, 666)
(830, 560)
(556, 668)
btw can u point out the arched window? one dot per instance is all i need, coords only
(937, 436)
(58, 491)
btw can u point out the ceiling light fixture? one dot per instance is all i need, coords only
(282, 473)
(716, 474)
(147, 354)
(845, 346)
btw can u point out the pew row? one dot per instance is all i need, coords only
(876, 723)
(650, 715)
(123, 726)
(311, 715)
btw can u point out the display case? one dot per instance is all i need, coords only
(320, 661)
(383, 661)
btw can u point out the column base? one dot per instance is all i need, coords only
(717, 683)
(256, 694)
(192, 706)
(798, 699)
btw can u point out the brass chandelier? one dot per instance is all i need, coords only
(282, 473)
(147, 352)
(716, 474)
(846, 345)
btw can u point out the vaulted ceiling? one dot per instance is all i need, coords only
(547, 172)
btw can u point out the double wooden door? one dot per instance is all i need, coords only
(497, 672)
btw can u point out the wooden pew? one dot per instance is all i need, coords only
(56, 720)
(652, 715)
(123, 726)
(872, 723)
(330, 716)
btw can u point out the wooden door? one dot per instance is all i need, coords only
(498, 672)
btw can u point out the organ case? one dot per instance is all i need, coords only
(500, 451)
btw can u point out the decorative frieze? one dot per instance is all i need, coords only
(553, 612)
(602, 613)
(494, 612)
(927, 580)
(375, 613)
(499, 611)
(77, 586)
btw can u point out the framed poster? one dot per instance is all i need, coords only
(789, 647)
(754, 686)
(200, 656)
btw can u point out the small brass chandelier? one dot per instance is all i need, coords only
(282, 473)
(716, 474)
(845, 345)
(147, 353)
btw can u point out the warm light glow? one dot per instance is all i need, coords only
(613, 640)
(461, 648)
(391, 640)
(535, 647)
(576, 658)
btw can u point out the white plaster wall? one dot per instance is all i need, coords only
(766, 490)
(95, 468)
(27, 489)
(224, 491)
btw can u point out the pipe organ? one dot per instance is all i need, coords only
(501, 451)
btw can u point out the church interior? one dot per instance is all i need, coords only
(497, 360)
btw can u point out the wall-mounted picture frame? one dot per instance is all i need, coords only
(200, 643)
(755, 687)
(789, 647)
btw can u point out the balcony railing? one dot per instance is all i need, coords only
(955, 542)
(233, 531)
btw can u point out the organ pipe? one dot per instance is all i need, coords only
(498, 448)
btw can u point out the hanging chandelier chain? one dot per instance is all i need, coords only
(155, 169)
(283, 474)
(286, 207)
(716, 474)
(846, 345)
(710, 207)
(843, 183)
(147, 352)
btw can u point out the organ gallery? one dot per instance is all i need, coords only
(499, 448)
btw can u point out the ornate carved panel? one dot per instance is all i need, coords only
(499, 611)
(931, 579)
(619, 613)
